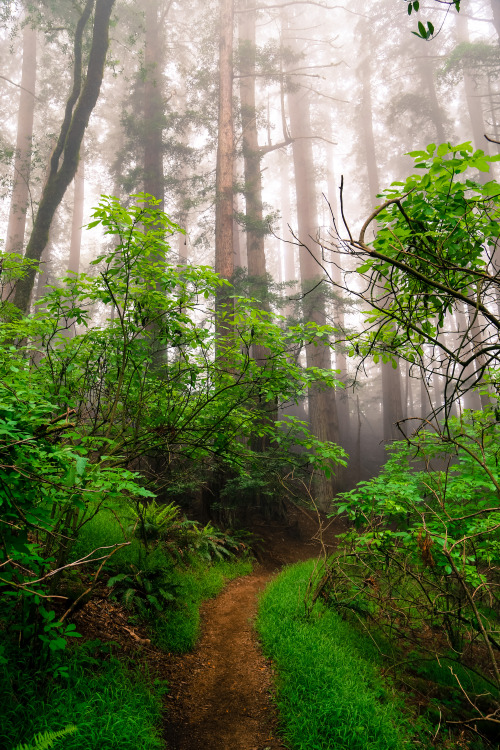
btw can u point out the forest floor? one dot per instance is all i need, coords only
(221, 695)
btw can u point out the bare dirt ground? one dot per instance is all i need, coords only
(221, 695)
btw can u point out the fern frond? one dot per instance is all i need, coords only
(46, 740)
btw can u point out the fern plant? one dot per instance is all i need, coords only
(46, 740)
(154, 521)
(142, 589)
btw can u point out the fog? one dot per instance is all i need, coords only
(242, 119)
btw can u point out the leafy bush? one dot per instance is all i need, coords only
(82, 401)
(422, 563)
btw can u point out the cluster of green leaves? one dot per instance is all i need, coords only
(428, 257)
(427, 32)
(477, 59)
(46, 740)
(424, 552)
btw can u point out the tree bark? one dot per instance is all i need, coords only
(322, 407)
(255, 230)
(22, 161)
(153, 106)
(342, 399)
(474, 103)
(429, 84)
(495, 7)
(391, 378)
(78, 110)
(224, 257)
(77, 219)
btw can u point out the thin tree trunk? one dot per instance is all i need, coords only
(322, 407)
(391, 378)
(77, 219)
(239, 248)
(22, 161)
(495, 7)
(288, 246)
(429, 83)
(78, 110)
(342, 399)
(474, 103)
(255, 231)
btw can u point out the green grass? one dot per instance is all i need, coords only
(113, 707)
(329, 690)
(104, 530)
(177, 631)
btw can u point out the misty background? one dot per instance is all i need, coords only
(319, 92)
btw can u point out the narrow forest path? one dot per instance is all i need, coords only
(221, 694)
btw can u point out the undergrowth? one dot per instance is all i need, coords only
(113, 706)
(329, 690)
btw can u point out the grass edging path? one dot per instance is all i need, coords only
(329, 691)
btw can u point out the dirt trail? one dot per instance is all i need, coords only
(221, 694)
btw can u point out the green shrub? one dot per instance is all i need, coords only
(329, 691)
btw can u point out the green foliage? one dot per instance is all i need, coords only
(424, 553)
(477, 59)
(143, 590)
(111, 705)
(330, 692)
(428, 260)
(142, 386)
(46, 740)
(154, 521)
(427, 31)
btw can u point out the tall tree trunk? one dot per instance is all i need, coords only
(429, 84)
(391, 378)
(474, 103)
(153, 106)
(342, 399)
(79, 107)
(322, 407)
(495, 7)
(255, 231)
(288, 246)
(239, 244)
(22, 161)
(77, 219)
(224, 257)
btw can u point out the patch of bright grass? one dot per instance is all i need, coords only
(104, 530)
(178, 629)
(329, 690)
(113, 708)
